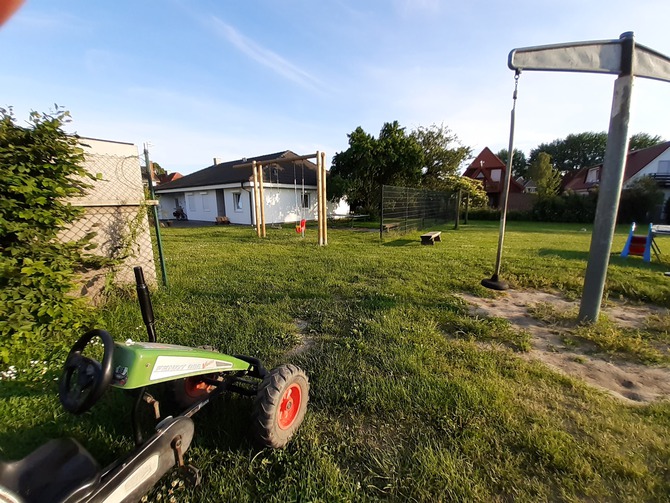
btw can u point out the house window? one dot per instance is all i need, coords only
(495, 175)
(190, 201)
(664, 167)
(237, 201)
(305, 200)
(205, 201)
(593, 176)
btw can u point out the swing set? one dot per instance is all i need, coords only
(626, 59)
(259, 193)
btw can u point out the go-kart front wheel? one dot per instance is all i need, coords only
(280, 406)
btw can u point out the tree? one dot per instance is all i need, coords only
(546, 178)
(443, 155)
(394, 158)
(158, 170)
(583, 150)
(42, 169)
(574, 152)
(643, 140)
(640, 201)
(519, 162)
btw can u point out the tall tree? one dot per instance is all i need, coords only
(639, 141)
(443, 155)
(519, 162)
(394, 158)
(577, 151)
(546, 178)
(574, 152)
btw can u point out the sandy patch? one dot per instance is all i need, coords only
(305, 341)
(629, 381)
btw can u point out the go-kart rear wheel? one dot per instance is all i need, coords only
(280, 406)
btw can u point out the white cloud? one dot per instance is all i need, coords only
(266, 57)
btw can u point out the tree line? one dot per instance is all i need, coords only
(432, 158)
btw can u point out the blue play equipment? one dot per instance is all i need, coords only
(641, 245)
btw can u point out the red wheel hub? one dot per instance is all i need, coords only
(289, 406)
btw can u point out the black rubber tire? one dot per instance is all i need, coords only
(265, 418)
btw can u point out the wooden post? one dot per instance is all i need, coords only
(324, 198)
(318, 197)
(262, 198)
(256, 197)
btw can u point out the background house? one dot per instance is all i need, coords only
(490, 170)
(653, 161)
(223, 189)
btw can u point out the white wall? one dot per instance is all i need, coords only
(280, 204)
(167, 204)
(201, 205)
(281, 207)
(238, 216)
(650, 168)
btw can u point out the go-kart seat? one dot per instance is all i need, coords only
(59, 471)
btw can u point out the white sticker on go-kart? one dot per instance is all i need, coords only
(172, 366)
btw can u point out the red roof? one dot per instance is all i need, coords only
(635, 162)
(166, 178)
(481, 167)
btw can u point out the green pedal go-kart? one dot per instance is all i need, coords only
(63, 471)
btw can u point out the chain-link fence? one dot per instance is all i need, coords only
(405, 208)
(115, 210)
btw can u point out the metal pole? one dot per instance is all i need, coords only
(381, 217)
(611, 181)
(157, 227)
(495, 283)
(458, 209)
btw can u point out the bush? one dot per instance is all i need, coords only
(42, 168)
(640, 201)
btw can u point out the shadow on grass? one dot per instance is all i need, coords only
(399, 242)
(564, 254)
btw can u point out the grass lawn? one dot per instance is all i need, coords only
(406, 404)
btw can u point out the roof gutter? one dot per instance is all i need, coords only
(251, 205)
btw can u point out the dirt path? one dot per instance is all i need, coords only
(630, 381)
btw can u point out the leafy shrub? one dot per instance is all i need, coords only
(42, 168)
(639, 202)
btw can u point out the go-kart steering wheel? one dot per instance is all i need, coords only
(84, 380)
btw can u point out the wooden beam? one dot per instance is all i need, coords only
(256, 198)
(278, 160)
(324, 198)
(262, 198)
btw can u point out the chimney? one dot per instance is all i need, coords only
(217, 160)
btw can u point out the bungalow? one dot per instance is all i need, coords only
(490, 170)
(653, 161)
(226, 190)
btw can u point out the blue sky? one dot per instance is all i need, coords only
(229, 79)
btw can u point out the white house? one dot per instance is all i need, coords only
(653, 162)
(223, 189)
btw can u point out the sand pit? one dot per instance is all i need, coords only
(633, 382)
